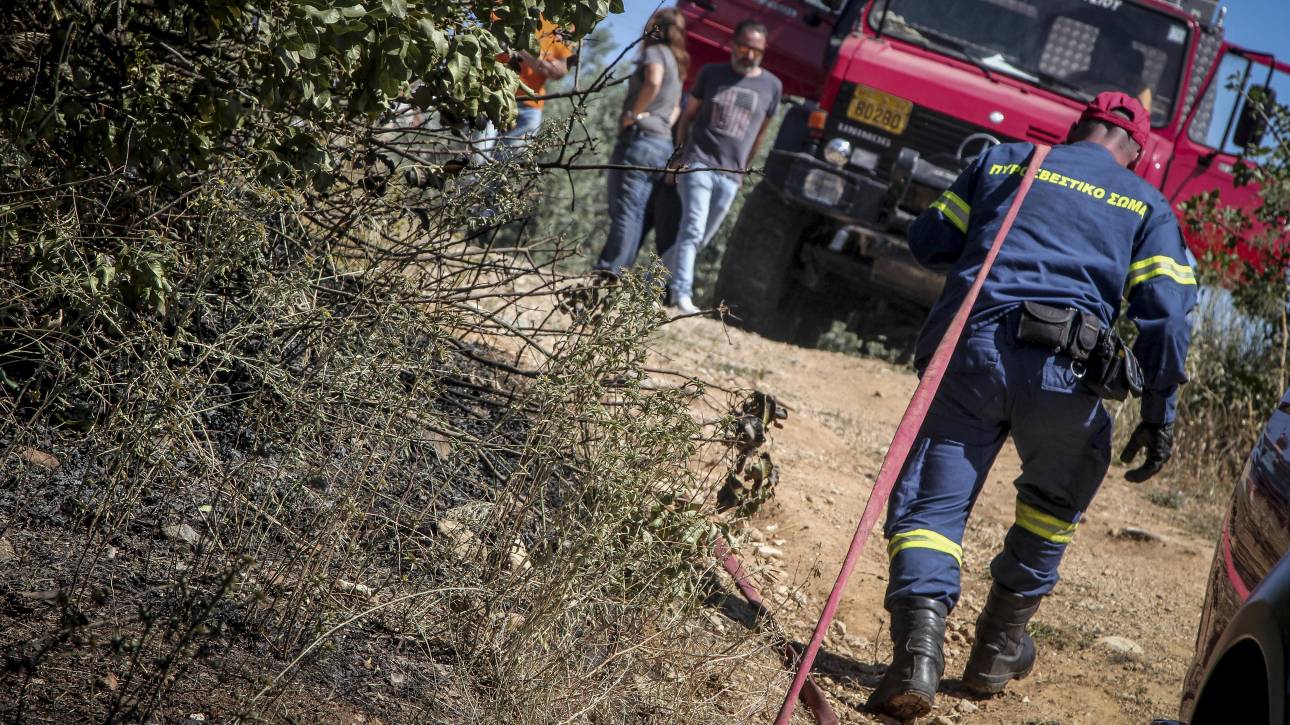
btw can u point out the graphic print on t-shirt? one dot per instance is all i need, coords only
(732, 110)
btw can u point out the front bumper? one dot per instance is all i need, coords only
(868, 249)
(841, 194)
(856, 197)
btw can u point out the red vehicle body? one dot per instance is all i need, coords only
(897, 96)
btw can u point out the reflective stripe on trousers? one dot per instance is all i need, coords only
(996, 386)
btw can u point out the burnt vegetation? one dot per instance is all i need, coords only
(285, 437)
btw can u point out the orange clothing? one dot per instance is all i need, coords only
(550, 47)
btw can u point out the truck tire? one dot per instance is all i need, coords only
(757, 266)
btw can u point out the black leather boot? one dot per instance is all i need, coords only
(1002, 650)
(918, 633)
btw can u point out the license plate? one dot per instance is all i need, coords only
(880, 110)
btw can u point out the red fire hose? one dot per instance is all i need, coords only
(811, 695)
(903, 440)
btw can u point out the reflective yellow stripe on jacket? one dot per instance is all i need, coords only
(924, 539)
(1044, 525)
(1159, 266)
(953, 208)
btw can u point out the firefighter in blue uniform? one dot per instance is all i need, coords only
(1089, 233)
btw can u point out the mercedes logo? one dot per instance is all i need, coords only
(975, 145)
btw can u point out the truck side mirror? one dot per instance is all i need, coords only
(1252, 123)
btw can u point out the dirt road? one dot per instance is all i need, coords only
(843, 412)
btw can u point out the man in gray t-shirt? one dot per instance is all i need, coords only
(720, 130)
(733, 109)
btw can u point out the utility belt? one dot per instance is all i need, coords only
(1100, 358)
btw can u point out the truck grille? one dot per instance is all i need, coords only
(936, 136)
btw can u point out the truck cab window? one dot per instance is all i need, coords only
(1071, 47)
(1107, 58)
(1237, 80)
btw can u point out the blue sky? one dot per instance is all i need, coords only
(1256, 24)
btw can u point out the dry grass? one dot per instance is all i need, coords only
(1235, 376)
(306, 457)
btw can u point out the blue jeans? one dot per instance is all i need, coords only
(629, 196)
(994, 386)
(484, 144)
(706, 196)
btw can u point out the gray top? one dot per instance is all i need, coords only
(734, 108)
(659, 120)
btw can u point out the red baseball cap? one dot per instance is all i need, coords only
(1103, 107)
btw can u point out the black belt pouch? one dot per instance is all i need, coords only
(1045, 326)
(1109, 368)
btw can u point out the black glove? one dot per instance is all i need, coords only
(1159, 442)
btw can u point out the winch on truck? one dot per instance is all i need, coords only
(898, 96)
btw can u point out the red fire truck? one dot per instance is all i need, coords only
(898, 96)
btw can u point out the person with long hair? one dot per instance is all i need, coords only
(650, 108)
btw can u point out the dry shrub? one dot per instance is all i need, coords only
(1236, 373)
(293, 456)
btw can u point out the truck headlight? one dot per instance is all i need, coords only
(837, 151)
(823, 187)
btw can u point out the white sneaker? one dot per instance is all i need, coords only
(685, 306)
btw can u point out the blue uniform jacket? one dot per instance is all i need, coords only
(1089, 233)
